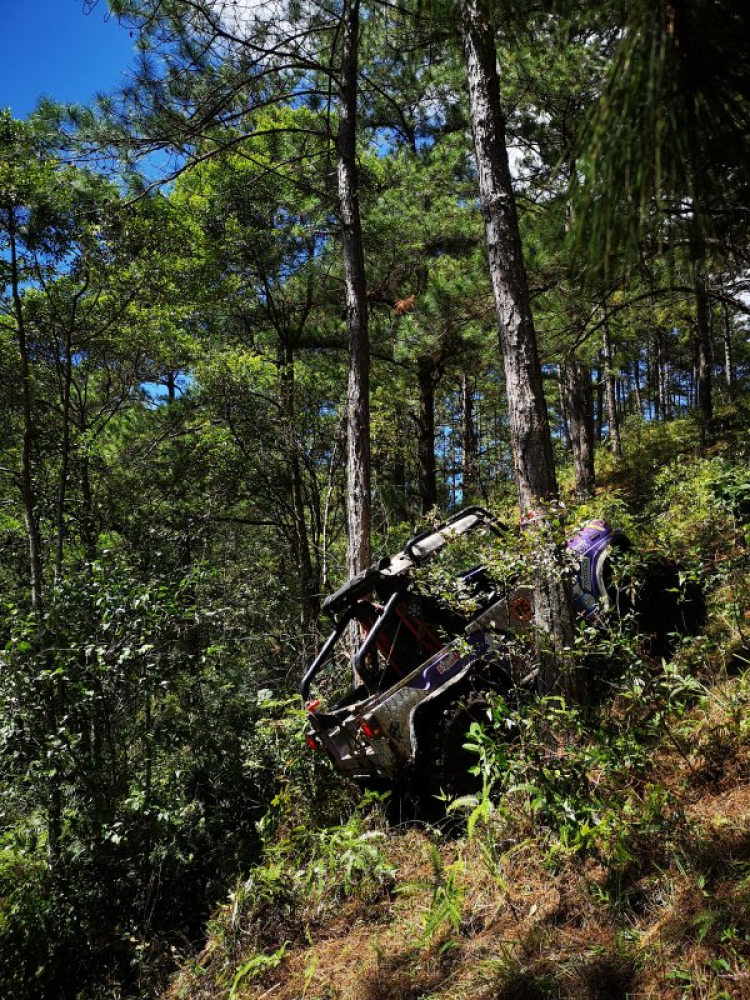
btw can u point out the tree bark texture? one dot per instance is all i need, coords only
(703, 349)
(727, 338)
(426, 442)
(654, 379)
(358, 394)
(564, 421)
(578, 395)
(637, 387)
(65, 444)
(28, 494)
(308, 584)
(55, 700)
(527, 411)
(599, 407)
(469, 446)
(613, 420)
(88, 527)
(662, 377)
(530, 437)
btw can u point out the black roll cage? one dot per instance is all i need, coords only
(387, 572)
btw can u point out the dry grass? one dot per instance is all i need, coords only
(669, 921)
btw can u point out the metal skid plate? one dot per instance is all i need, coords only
(390, 717)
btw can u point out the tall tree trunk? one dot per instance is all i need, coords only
(53, 708)
(426, 435)
(527, 412)
(654, 379)
(609, 385)
(469, 449)
(578, 394)
(703, 345)
(358, 394)
(564, 415)
(662, 378)
(692, 386)
(64, 465)
(637, 387)
(531, 441)
(65, 446)
(88, 524)
(309, 590)
(33, 536)
(599, 409)
(627, 403)
(727, 338)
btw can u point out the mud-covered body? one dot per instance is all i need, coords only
(376, 736)
(376, 730)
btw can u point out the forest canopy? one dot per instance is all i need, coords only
(318, 276)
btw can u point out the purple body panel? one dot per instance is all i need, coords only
(448, 662)
(591, 546)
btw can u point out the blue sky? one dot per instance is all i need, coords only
(52, 48)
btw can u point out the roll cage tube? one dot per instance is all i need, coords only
(325, 652)
(483, 517)
(350, 615)
(366, 580)
(372, 637)
(489, 519)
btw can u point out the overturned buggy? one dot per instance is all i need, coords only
(426, 669)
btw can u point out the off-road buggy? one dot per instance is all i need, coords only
(425, 667)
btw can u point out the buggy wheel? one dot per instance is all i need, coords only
(443, 763)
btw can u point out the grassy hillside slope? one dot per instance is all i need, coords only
(608, 855)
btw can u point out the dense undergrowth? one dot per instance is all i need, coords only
(607, 854)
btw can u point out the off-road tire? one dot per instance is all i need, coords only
(443, 763)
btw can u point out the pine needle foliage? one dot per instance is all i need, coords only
(667, 139)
